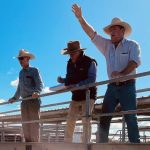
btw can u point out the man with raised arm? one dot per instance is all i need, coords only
(30, 85)
(122, 58)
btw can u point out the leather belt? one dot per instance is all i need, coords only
(123, 83)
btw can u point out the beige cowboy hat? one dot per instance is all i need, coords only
(72, 46)
(25, 53)
(118, 21)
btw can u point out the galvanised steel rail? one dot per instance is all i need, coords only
(68, 102)
(89, 85)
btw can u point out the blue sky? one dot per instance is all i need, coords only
(45, 26)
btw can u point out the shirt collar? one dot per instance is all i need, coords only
(27, 69)
(123, 41)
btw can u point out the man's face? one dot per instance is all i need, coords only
(74, 56)
(24, 61)
(116, 33)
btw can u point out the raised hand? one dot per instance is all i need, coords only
(77, 11)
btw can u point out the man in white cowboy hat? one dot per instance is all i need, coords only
(122, 57)
(81, 70)
(30, 85)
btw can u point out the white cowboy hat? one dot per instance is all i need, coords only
(24, 53)
(118, 21)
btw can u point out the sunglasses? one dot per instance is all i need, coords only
(21, 58)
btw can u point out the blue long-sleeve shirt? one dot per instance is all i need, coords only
(29, 82)
(91, 75)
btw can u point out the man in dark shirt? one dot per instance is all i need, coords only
(81, 70)
(30, 85)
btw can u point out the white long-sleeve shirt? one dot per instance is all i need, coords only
(117, 59)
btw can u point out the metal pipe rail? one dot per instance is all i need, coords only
(67, 102)
(89, 85)
(138, 111)
(49, 105)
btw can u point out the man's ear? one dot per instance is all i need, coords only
(28, 58)
(123, 29)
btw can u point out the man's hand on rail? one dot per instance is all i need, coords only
(115, 74)
(11, 100)
(35, 95)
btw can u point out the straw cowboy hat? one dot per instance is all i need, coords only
(72, 46)
(24, 53)
(118, 21)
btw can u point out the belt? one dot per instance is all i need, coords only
(123, 83)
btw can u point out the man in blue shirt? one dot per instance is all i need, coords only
(30, 85)
(81, 70)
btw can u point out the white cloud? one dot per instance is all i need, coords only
(2, 100)
(45, 90)
(14, 83)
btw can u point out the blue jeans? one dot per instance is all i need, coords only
(126, 96)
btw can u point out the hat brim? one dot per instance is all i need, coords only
(31, 56)
(127, 27)
(65, 51)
